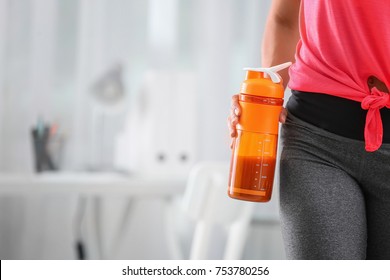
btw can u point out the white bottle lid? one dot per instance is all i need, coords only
(271, 71)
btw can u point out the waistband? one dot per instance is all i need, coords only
(338, 115)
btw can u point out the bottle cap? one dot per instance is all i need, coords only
(271, 71)
(264, 81)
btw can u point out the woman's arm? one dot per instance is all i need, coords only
(279, 42)
(281, 34)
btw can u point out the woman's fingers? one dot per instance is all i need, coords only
(235, 106)
(232, 122)
(235, 112)
(283, 115)
(232, 143)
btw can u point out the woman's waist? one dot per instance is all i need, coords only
(335, 114)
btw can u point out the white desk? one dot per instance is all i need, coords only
(91, 184)
(96, 186)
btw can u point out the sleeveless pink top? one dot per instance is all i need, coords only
(343, 42)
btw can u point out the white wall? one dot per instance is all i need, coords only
(227, 38)
(52, 51)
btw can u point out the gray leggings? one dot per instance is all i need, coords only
(334, 196)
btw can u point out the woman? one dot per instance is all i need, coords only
(335, 163)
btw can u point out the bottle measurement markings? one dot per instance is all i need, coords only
(261, 164)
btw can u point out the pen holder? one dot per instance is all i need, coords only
(47, 147)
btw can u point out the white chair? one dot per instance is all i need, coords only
(206, 201)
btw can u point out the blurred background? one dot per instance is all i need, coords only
(112, 112)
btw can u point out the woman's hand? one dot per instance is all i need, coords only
(235, 112)
(283, 115)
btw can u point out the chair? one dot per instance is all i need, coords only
(206, 201)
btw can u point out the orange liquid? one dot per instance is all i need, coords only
(251, 178)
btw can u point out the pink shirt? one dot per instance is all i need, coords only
(343, 42)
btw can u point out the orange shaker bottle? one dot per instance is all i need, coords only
(252, 166)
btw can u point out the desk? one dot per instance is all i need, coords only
(91, 184)
(97, 186)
